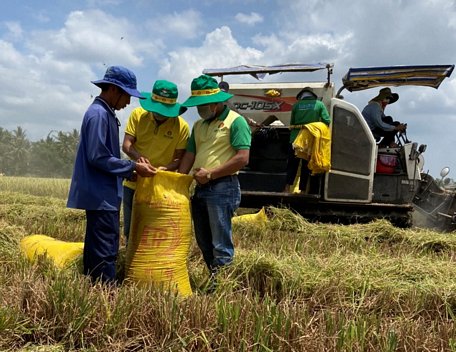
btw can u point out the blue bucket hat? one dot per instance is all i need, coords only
(121, 77)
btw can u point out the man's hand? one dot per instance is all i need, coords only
(142, 159)
(201, 175)
(145, 169)
(401, 127)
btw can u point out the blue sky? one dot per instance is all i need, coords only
(50, 50)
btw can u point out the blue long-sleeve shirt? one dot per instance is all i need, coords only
(373, 114)
(97, 177)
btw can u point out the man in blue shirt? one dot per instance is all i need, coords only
(96, 185)
(375, 117)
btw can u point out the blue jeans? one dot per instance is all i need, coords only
(101, 245)
(213, 206)
(127, 200)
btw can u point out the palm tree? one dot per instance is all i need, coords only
(54, 156)
(5, 145)
(67, 143)
(18, 154)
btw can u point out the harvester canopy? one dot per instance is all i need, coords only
(361, 78)
(258, 71)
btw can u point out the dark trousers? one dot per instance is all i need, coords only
(127, 201)
(388, 137)
(101, 245)
(292, 169)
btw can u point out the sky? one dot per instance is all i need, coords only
(51, 50)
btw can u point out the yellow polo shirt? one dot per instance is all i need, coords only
(215, 142)
(156, 142)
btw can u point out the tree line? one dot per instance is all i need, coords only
(52, 156)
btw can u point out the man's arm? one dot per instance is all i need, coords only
(174, 164)
(187, 162)
(378, 120)
(128, 147)
(99, 155)
(326, 119)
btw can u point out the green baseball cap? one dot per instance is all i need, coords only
(205, 90)
(163, 99)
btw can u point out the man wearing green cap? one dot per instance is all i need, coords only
(155, 134)
(217, 149)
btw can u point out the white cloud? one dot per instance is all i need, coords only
(10, 56)
(14, 31)
(384, 31)
(41, 16)
(219, 49)
(91, 36)
(42, 94)
(249, 19)
(184, 25)
(48, 86)
(292, 48)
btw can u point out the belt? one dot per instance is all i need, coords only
(217, 180)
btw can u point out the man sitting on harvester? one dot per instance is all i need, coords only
(381, 125)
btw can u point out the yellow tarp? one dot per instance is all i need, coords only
(313, 143)
(161, 232)
(60, 252)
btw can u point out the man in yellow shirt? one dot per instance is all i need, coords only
(155, 134)
(217, 149)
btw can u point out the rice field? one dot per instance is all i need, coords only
(294, 286)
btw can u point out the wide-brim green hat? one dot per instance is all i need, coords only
(205, 90)
(163, 100)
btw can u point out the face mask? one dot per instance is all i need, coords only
(205, 112)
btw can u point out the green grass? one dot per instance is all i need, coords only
(294, 286)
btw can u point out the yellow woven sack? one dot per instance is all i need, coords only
(259, 218)
(161, 232)
(60, 252)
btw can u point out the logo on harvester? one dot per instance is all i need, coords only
(259, 105)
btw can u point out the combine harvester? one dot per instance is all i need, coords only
(365, 182)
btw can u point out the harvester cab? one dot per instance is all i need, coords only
(364, 181)
(433, 206)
